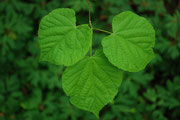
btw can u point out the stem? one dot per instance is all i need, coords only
(90, 24)
(89, 14)
(97, 29)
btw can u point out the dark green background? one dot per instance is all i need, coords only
(32, 90)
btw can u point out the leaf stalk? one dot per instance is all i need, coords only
(97, 29)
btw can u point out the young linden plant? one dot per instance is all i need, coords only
(93, 81)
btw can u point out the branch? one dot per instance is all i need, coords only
(90, 24)
(89, 14)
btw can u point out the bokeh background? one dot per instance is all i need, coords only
(32, 90)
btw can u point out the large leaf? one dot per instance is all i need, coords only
(130, 45)
(92, 82)
(61, 41)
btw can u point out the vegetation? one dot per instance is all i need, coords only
(32, 90)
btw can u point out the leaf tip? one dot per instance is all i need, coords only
(96, 113)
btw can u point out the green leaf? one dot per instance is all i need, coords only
(92, 82)
(61, 41)
(150, 94)
(130, 45)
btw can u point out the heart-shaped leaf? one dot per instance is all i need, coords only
(92, 82)
(130, 45)
(61, 41)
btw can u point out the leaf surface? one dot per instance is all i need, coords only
(61, 41)
(92, 82)
(130, 45)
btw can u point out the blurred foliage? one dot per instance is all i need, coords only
(30, 90)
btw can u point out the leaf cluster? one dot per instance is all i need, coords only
(30, 90)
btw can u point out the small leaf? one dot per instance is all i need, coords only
(150, 94)
(92, 82)
(61, 41)
(130, 45)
